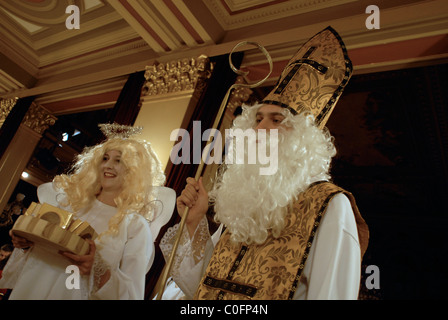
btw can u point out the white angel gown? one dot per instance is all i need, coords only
(41, 274)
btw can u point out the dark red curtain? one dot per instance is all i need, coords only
(128, 105)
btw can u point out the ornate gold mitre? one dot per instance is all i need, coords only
(314, 78)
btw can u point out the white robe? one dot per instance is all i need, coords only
(332, 270)
(41, 274)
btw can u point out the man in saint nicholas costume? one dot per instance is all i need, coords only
(289, 235)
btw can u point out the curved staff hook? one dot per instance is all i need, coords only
(167, 269)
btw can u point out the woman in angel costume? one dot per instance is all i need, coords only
(290, 235)
(115, 187)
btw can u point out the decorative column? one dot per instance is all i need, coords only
(20, 149)
(169, 96)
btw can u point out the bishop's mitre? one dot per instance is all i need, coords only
(314, 78)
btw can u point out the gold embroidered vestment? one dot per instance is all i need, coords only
(272, 270)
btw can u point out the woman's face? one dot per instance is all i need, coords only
(112, 171)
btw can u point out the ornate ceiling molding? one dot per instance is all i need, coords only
(42, 13)
(113, 39)
(238, 15)
(176, 76)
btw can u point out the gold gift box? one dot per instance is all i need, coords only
(54, 228)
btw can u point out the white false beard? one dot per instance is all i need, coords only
(251, 205)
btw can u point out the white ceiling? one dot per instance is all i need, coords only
(40, 56)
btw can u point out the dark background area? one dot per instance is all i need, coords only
(391, 133)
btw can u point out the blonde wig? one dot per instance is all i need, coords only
(143, 172)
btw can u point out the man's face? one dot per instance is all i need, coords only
(270, 117)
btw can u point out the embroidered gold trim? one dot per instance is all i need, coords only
(275, 267)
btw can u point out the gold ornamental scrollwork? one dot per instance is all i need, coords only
(176, 76)
(238, 96)
(38, 118)
(6, 106)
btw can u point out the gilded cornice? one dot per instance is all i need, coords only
(38, 118)
(176, 76)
